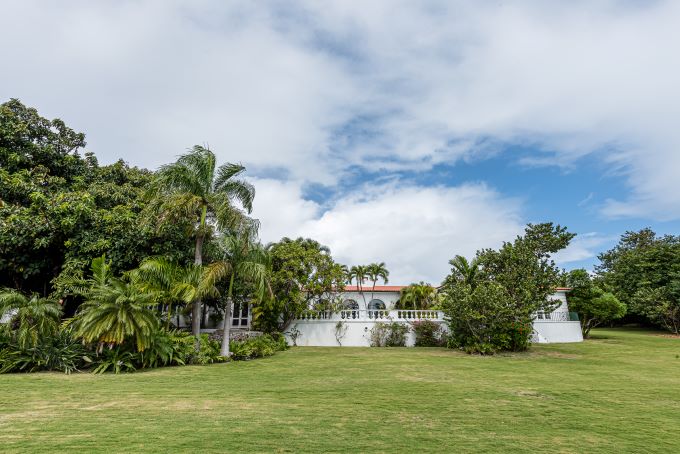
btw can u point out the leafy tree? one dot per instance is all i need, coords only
(643, 270)
(593, 304)
(28, 320)
(193, 189)
(512, 283)
(115, 310)
(303, 271)
(417, 296)
(59, 209)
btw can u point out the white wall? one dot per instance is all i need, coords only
(321, 333)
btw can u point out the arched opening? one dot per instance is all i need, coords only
(376, 304)
(352, 308)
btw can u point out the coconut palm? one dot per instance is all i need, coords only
(194, 190)
(376, 271)
(247, 261)
(359, 274)
(28, 319)
(115, 310)
(464, 270)
(417, 296)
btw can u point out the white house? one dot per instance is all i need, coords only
(362, 310)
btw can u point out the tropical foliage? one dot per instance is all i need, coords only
(495, 310)
(417, 297)
(194, 190)
(27, 319)
(591, 301)
(643, 272)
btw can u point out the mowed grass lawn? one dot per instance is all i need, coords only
(619, 392)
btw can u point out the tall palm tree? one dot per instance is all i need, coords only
(376, 271)
(246, 261)
(115, 310)
(418, 296)
(193, 189)
(465, 271)
(28, 319)
(358, 274)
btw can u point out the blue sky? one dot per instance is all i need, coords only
(396, 131)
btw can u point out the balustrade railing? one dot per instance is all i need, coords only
(372, 315)
(558, 316)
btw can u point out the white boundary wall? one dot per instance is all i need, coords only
(321, 331)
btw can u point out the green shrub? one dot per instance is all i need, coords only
(257, 347)
(57, 353)
(389, 334)
(428, 333)
(117, 360)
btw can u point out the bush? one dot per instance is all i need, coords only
(428, 334)
(389, 334)
(257, 347)
(59, 353)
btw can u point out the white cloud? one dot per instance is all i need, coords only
(585, 246)
(415, 230)
(275, 86)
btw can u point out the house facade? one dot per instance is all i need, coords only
(351, 326)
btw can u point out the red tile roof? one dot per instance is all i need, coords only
(378, 288)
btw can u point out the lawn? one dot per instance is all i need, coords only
(619, 392)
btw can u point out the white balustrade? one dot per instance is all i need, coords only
(372, 315)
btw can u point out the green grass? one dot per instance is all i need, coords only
(619, 392)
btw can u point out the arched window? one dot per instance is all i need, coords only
(376, 304)
(351, 305)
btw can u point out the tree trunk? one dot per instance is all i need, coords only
(224, 351)
(196, 309)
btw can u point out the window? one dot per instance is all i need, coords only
(239, 315)
(376, 304)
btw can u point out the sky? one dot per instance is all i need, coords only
(392, 131)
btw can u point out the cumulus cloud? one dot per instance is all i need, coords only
(308, 92)
(311, 89)
(415, 230)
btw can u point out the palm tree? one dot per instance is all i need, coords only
(418, 296)
(171, 283)
(376, 271)
(359, 274)
(28, 319)
(114, 310)
(193, 189)
(464, 270)
(246, 261)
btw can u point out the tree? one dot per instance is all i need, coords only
(517, 279)
(463, 270)
(303, 271)
(417, 296)
(359, 274)
(246, 261)
(115, 310)
(60, 209)
(376, 271)
(593, 304)
(643, 270)
(28, 320)
(194, 189)
(172, 284)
